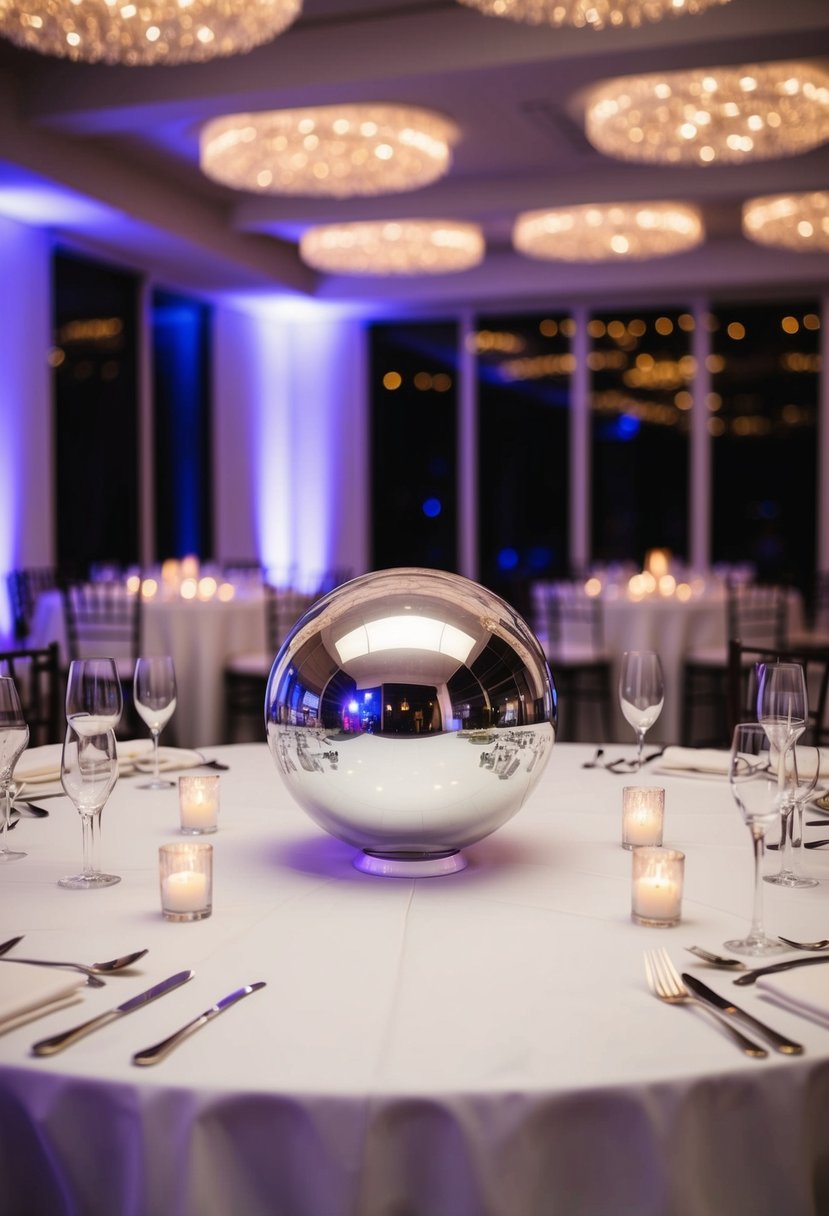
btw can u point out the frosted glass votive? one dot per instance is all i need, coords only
(643, 812)
(186, 876)
(198, 804)
(656, 892)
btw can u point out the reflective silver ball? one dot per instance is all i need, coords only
(410, 712)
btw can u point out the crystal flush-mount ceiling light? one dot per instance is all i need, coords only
(608, 232)
(594, 13)
(711, 115)
(141, 32)
(337, 151)
(393, 247)
(789, 221)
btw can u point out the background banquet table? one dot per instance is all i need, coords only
(200, 635)
(476, 1045)
(672, 627)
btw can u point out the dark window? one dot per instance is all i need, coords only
(523, 368)
(763, 420)
(642, 378)
(96, 414)
(182, 424)
(413, 445)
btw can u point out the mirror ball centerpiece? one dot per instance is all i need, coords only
(410, 713)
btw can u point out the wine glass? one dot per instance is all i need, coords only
(94, 699)
(782, 703)
(802, 772)
(88, 772)
(641, 692)
(154, 693)
(753, 780)
(14, 735)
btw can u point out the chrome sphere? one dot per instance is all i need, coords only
(410, 712)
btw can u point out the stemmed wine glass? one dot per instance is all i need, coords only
(641, 692)
(782, 703)
(94, 699)
(754, 786)
(14, 735)
(154, 693)
(88, 772)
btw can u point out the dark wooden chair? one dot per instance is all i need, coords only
(104, 620)
(246, 675)
(569, 625)
(24, 586)
(39, 682)
(744, 661)
(756, 614)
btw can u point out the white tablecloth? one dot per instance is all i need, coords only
(476, 1045)
(200, 635)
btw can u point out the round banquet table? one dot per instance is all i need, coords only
(200, 635)
(482, 1044)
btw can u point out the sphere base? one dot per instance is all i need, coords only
(410, 863)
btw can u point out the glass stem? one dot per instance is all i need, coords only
(786, 838)
(89, 823)
(155, 735)
(640, 756)
(758, 840)
(7, 808)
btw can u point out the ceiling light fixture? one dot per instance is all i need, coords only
(594, 13)
(142, 32)
(789, 221)
(608, 232)
(336, 151)
(393, 247)
(711, 115)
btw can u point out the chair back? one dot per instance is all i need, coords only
(744, 662)
(570, 622)
(36, 675)
(820, 606)
(103, 619)
(283, 608)
(25, 585)
(756, 614)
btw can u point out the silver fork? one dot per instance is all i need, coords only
(665, 983)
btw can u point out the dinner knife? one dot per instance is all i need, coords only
(57, 1042)
(152, 1055)
(750, 976)
(778, 1041)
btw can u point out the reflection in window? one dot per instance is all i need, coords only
(642, 377)
(765, 368)
(413, 409)
(524, 364)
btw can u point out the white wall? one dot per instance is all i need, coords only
(26, 492)
(290, 440)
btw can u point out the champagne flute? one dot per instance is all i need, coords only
(755, 788)
(88, 772)
(94, 699)
(154, 693)
(641, 692)
(802, 772)
(782, 703)
(14, 735)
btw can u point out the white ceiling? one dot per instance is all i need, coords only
(108, 156)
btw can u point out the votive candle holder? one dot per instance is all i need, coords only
(657, 883)
(185, 873)
(643, 814)
(198, 804)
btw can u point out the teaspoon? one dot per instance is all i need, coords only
(820, 945)
(717, 960)
(92, 972)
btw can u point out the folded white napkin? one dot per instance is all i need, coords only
(699, 761)
(28, 992)
(39, 767)
(805, 991)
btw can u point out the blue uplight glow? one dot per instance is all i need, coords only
(508, 559)
(432, 507)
